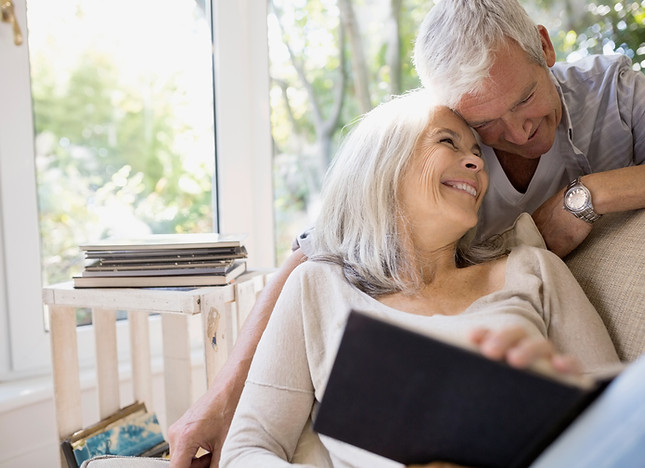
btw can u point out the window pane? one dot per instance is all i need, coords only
(123, 110)
(332, 60)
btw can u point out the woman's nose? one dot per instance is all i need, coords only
(473, 162)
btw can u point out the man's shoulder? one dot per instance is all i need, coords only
(590, 68)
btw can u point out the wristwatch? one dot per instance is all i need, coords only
(577, 201)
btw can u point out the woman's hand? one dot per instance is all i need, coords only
(515, 346)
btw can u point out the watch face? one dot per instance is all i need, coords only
(576, 199)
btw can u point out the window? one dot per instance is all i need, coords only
(332, 60)
(315, 47)
(242, 179)
(124, 134)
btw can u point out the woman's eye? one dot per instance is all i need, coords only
(528, 98)
(448, 141)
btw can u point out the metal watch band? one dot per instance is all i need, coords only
(587, 213)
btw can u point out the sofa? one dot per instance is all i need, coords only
(610, 267)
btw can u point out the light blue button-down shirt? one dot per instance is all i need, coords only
(602, 128)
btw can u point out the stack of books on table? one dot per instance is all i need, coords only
(163, 260)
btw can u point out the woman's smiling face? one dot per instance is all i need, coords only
(445, 182)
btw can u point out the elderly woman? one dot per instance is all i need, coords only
(392, 241)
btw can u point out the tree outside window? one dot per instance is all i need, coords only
(123, 112)
(332, 60)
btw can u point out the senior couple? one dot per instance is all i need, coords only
(411, 207)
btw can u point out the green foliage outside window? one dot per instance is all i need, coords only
(120, 148)
(364, 48)
(109, 152)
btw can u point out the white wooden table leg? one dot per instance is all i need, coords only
(219, 322)
(107, 361)
(177, 369)
(67, 383)
(246, 294)
(140, 357)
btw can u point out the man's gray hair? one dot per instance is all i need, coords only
(454, 49)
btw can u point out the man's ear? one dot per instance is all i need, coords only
(547, 46)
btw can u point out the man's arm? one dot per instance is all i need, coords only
(206, 423)
(611, 191)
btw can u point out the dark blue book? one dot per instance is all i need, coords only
(415, 400)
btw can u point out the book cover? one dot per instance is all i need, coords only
(183, 280)
(161, 269)
(167, 241)
(163, 256)
(153, 255)
(132, 431)
(415, 399)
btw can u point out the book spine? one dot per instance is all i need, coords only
(68, 452)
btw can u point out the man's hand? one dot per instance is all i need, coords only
(203, 426)
(561, 230)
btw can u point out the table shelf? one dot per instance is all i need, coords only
(223, 309)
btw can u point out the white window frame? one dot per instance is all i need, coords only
(25, 341)
(243, 125)
(244, 187)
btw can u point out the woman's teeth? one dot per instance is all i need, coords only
(465, 187)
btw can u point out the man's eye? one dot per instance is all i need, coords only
(528, 98)
(481, 126)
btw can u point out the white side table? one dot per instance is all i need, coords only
(222, 308)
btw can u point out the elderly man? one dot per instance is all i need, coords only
(565, 142)
(557, 135)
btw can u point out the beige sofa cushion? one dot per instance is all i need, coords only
(111, 461)
(610, 267)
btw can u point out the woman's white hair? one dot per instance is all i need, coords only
(359, 223)
(454, 49)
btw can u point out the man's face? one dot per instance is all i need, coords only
(519, 107)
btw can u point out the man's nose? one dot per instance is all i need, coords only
(517, 128)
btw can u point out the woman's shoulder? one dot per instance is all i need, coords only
(524, 240)
(534, 259)
(523, 232)
(315, 270)
(526, 251)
